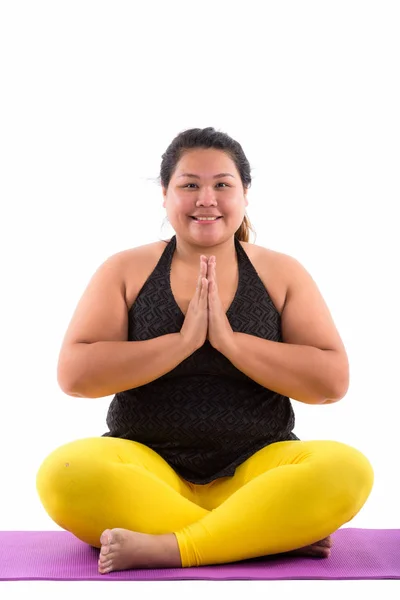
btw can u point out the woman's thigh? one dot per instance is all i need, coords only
(329, 463)
(98, 451)
(96, 483)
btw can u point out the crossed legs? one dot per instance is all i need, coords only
(285, 496)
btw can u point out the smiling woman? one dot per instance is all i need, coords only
(203, 340)
(209, 180)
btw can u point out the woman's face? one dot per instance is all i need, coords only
(205, 182)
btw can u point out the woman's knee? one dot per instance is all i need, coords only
(53, 476)
(354, 463)
(74, 464)
(352, 477)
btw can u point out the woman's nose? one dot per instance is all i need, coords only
(207, 198)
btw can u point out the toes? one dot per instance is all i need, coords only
(105, 563)
(103, 570)
(105, 538)
(325, 543)
(313, 551)
(328, 541)
(323, 552)
(103, 559)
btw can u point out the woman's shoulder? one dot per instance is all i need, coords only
(267, 256)
(153, 250)
(135, 264)
(137, 252)
(276, 269)
(148, 253)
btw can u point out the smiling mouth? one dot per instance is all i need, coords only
(196, 219)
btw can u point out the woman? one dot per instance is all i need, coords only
(203, 339)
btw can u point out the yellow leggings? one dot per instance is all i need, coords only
(285, 496)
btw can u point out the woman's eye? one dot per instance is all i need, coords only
(220, 183)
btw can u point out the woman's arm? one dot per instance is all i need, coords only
(311, 366)
(96, 358)
(304, 373)
(105, 368)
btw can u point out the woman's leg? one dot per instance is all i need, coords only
(92, 484)
(286, 496)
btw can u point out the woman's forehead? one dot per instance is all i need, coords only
(206, 163)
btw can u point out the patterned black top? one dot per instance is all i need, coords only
(205, 417)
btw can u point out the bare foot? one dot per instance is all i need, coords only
(123, 549)
(319, 549)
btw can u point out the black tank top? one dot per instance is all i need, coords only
(205, 417)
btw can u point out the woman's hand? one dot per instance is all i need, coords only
(220, 333)
(195, 325)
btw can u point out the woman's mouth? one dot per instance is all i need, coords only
(205, 221)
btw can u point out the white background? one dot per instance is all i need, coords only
(92, 93)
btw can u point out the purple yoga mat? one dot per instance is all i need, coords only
(58, 555)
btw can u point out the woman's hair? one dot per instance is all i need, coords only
(208, 138)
